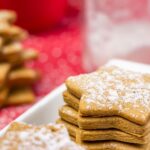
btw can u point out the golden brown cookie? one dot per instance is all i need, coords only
(112, 91)
(3, 95)
(103, 145)
(111, 134)
(4, 70)
(25, 56)
(7, 16)
(71, 100)
(12, 49)
(72, 138)
(71, 115)
(17, 57)
(1, 44)
(20, 95)
(112, 145)
(29, 54)
(14, 59)
(11, 32)
(114, 122)
(108, 134)
(11, 52)
(45, 137)
(22, 76)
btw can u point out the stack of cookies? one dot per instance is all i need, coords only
(15, 78)
(108, 109)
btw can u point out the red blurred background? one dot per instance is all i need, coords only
(35, 15)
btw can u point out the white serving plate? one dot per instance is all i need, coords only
(46, 110)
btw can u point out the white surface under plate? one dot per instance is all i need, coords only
(46, 110)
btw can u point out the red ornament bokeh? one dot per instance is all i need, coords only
(36, 15)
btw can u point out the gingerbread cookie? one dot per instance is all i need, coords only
(3, 95)
(103, 145)
(17, 57)
(112, 145)
(11, 32)
(111, 104)
(14, 57)
(69, 114)
(109, 134)
(1, 44)
(71, 100)
(101, 122)
(29, 54)
(7, 16)
(10, 52)
(20, 95)
(45, 137)
(112, 91)
(12, 49)
(22, 76)
(4, 70)
(88, 123)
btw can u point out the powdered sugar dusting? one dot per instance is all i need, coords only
(48, 137)
(114, 87)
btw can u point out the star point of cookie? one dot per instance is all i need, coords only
(113, 91)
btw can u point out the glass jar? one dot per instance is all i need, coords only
(116, 29)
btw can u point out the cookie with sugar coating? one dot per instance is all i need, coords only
(43, 137)
(112, 91)
(108, 134)
(90, 123)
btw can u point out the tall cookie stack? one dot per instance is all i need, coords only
(15, 78)
(108, 109)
